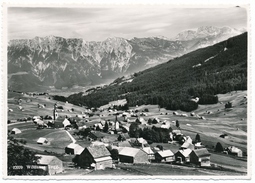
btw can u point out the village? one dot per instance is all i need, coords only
(70, 139)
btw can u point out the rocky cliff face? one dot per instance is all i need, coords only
(59, 62)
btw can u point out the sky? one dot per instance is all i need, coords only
(97, 23)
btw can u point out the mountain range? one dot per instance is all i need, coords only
(58, 62)
(181, 83)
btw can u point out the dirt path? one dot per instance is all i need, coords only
(71, 137)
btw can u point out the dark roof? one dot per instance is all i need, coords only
(98, 151)
(201, 152)
(97, 134)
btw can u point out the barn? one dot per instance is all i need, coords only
(97, 157)
(50, 164)
(183, 156)
(166, 156)
(15, 131)
(43, 141)
(73, 149)
(133, 155)
(200, 157)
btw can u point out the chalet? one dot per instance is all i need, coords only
(176, 132)
(66, 123)
(140, 120)
(199, 145)
(36, 117)
(15, 131)
(50, 164)
(235, 151)
(73, 149)
(182, 156)
(140, 142)
(187, 145)
(149, 153)
(58, 123)
(40, 123)
(97, 157)
(155, 121)
(166, 156)
(43, 141)
(200, 157)
(133, 155)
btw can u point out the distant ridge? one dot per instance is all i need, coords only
(56, 62)
(202, 73)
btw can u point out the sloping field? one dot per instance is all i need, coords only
(30, 108)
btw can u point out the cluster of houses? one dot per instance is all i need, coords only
(99, 154)
(135, 151)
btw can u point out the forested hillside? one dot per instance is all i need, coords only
(202, 73)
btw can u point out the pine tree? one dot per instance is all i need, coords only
(106, 127)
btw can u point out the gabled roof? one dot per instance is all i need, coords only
(129, 151)
(16, 130)
(42, 140)
(98, 151)
(142, 140)
(185, 152)
(147, 150)
(66, 122)
(73, 146)
(201, 152)
(45, 159)
(187, 145)
(165, 153)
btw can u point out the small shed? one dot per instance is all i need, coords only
(15, 131)
(200, 157)
(133, 155)
(182, 156)
(73, 149)
(43, 141)
(166, 156)
(50, 164)
(97, 157)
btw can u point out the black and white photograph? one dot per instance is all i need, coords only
(127, 90)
